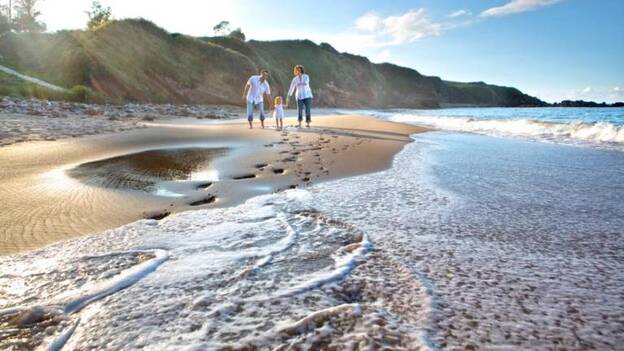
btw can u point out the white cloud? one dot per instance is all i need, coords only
(517, 6)
(408, 27)
(617, 89)
(370, 22)
(459, 13)
(411, 26)
(586, 91)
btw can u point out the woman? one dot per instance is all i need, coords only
(301, 84)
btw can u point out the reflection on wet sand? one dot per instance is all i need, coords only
(143, 170)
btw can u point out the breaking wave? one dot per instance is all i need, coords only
(603, 133)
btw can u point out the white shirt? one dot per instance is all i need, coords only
(302, 85)
(279, 111)
(257, 89)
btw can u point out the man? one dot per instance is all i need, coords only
(253, 93)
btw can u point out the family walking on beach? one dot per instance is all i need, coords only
(257, 87)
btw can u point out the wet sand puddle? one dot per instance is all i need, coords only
(147, 170)
(174, 173)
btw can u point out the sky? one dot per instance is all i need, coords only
(552, 49)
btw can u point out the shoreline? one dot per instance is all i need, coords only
(45, 205)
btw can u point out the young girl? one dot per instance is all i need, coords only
(278, 113)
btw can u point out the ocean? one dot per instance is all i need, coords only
(598, 127)
(501, 230)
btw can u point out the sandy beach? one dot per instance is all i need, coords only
(358, 233)
(55, 190)
(448, 175)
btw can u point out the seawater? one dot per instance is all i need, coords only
(466, 240)
(596, 127)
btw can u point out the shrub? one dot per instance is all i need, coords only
(78, 93)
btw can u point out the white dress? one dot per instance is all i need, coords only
(278, 112)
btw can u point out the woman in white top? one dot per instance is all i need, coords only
(300, 85)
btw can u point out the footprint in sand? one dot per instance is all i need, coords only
(157, 215)
(244, 176)
(207, 200)
(204, 185)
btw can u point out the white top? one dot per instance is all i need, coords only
(257, 89)
(279, 111)
(302, 85)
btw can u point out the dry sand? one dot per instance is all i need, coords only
(42, 203)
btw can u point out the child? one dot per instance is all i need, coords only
(278, 113)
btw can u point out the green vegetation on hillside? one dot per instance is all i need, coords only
(134, 60)
(17, 87)
(99, 16)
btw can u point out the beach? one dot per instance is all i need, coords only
(56, 190)
(358, 233)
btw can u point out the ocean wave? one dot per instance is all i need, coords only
(595, 133)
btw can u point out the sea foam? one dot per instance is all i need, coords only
(594, 133)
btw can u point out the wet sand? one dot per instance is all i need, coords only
(57, 190)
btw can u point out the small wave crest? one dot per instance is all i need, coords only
(572, 132)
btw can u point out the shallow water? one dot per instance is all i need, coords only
(160, 171)
(467, 240)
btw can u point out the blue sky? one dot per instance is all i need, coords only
(554, 49)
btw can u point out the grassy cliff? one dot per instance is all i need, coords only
(134, 60)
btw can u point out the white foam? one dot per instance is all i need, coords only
(311, 321)
(345, 260)
(77, 299)
(601, 132)
(232, 271)
(60, 341)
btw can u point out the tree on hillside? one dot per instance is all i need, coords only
(222, 28)
(26, 17)
(237, 34)
(99, 16)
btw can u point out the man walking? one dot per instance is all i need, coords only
(253, 93)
